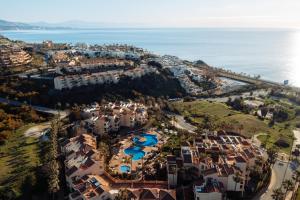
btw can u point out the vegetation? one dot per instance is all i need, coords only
(18, 165)
(13, 118)
(52, 166)
(219, 116)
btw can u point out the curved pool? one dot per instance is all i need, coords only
(125, 169)
(149, 140)
(136, 152)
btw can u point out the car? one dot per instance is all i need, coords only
(280, 163)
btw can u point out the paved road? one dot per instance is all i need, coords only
(62, 114)
(276, 179)
(278, 172)
(179, 122)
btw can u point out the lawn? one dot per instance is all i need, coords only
(19, 157)
(245, 124)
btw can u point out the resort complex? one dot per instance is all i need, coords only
(220, 162)
(88, 174)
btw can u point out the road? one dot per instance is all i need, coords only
(276, 179)
(179, 122)
(62, 113)
(37, 131)
(278, 171)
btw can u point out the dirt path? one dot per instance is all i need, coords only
(36, 131)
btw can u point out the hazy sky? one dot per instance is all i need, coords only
(158, 13)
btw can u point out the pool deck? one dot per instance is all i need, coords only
(123, 159)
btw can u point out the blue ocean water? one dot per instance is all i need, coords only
(272, 53)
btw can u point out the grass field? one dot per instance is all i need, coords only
(19, 156)
(245, 124)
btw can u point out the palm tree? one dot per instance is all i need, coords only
(104, 150)
(272, 155)
(237, 179)
(288, 186)
(131, 156)
(278, 194)
(123, 194)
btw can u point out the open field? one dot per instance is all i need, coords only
(19, 157)
(223, 117)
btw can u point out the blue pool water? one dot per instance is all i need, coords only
(151, 140)
(125, 169)
(136, 152)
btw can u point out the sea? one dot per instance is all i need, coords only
(274, 54)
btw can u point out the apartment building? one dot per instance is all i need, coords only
(13, 55)
(209, 189)
(89, 187)
(220, 158)
(112, 76)
(112, 116)
(82, 157)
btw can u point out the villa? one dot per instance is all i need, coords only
(218, 159)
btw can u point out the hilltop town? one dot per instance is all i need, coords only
(120, 122)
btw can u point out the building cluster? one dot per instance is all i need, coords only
(13, 55)
(97, 65)
(92, 65)
(223, 161)
(187, 75)
(82, 159)
(107, 77)
(112, 116)
(87, 179)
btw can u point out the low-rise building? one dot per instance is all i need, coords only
(209, 189)
(81, 157)
(228, 159)
(112, 116)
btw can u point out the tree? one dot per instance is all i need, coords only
(53, 167)
(103, 149)
(123, 194)
(278, 194)
(272, 155)
(296, 176)
(237, 179)
(288, 186)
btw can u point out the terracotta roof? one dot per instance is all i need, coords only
(167, 195)
(70, 171)
(148, 194)
(240, 159)
(210, 171)
(171, 159)
(187, 158)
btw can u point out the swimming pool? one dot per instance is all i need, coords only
(150, 140)
(125, 169)
(136, 152)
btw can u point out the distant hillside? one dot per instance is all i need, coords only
(8, 25)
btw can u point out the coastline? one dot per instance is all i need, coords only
(226, 48)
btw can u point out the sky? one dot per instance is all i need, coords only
(157, 13)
